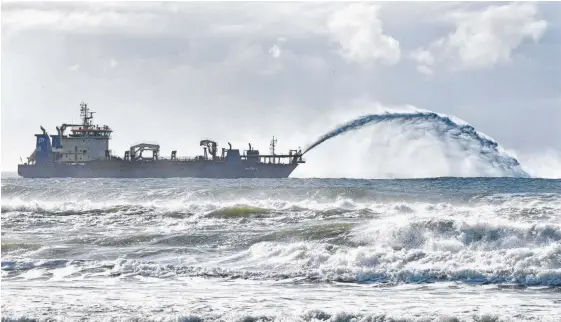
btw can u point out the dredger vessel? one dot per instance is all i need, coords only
(84, 153)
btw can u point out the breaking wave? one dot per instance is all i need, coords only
(307, 316)
(455, 134)
(238, 212)
(395, 251)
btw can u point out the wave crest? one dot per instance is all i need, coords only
(307, 316)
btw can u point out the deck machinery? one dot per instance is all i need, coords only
(84, 153)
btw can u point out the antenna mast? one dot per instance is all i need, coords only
(273, 145)
(86, 115)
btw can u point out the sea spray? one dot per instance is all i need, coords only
(463, 135)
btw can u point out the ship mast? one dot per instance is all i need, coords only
(273, 145)
(84, 111)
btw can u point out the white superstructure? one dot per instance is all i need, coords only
(86, 142)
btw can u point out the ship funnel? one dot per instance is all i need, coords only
(230, 145)
(249, 146)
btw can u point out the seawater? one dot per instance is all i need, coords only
(444, 249)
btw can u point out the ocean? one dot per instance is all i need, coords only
(443, 249)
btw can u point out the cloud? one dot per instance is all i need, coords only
(176, 19)
(275, 51)
(424, 69)
(358, 31)
(423, 56)
(72, 18)
(484, 39)
(425, 59)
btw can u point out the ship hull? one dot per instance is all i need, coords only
(156, 169)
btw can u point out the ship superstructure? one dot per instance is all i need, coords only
(85, 153)
(86, 142)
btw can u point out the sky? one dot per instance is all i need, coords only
(174, 73)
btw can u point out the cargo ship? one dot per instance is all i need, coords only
(85, 153)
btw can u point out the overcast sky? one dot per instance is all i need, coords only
(177, 72)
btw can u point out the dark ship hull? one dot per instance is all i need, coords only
(157, 169)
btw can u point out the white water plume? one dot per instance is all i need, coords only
(546, 164)
(410, 144)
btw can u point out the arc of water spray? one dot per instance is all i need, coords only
(487, 147)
